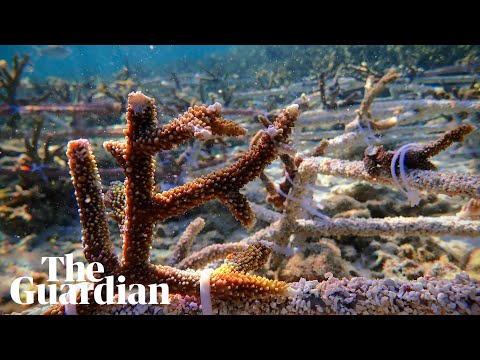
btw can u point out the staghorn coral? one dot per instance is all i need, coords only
(10, 78)
(288, 233)
(185, 242)
(209, 254)
(144, 137)
(31, 201)
(286, 91)
(429, 180)
(355, 129)
(378, 161)
(275, 196)
(186, 298)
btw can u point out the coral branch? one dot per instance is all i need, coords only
(225, 183)
(210, 254)
(142, 208)
(471, 210)
(88, 190)
(185, 242)
(10, 79)
(446, 140)
(354, 129)
(298, 198)
(374, 91)
(439, 182)
(443, 225)
(250, 259)
(378, 161)
(265, 214)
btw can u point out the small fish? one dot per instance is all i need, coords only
(54, 51)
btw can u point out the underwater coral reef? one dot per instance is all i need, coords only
(372, 209)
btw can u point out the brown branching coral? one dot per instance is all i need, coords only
(185, 242)
(374, 90)
(378, 161)
(39, 185)
(275, 196)
(10, 78)
(209, 254)
(10, 82)
(35, 159)
(429, 180)
(371, 91)
(144, 207)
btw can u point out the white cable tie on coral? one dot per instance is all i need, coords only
(305, 206)
(289, 179)
(284, 250)
(70, 309)
(205, 298)
(285, 195)
(371, 133)
(364, 133)
(393, 170)
(413, 195)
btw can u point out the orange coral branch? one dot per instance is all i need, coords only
(143, 208)
(88, 190)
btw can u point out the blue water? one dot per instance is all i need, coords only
(89, 60)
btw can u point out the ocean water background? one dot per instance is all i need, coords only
(90, 60)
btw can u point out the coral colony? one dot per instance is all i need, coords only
(356, 191)
(233, 287)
